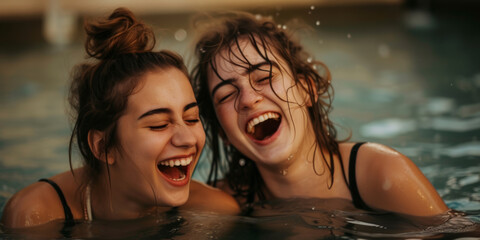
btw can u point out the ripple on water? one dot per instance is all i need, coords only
(388, 128)
(461, 150)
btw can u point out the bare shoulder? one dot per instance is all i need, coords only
(34, 205)
(388, 180)
(369, 151)
(381, 161)
(207, 198)
(375, 159)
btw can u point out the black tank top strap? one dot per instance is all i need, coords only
(66, 208)
(352, 185)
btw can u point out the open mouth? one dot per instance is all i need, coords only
(175, 169)
(264, 126)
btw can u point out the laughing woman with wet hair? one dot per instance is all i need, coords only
(137, 127)
(267, 104)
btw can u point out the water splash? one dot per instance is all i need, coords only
(241, 162)
(180, 34)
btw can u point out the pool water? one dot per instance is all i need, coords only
(281, 219)
(406, 78)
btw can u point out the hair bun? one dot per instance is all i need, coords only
(120, 33)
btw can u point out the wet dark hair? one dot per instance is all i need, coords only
(223, 33)
(121, 48)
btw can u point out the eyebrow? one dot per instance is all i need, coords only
(247, 71)
(166, 110)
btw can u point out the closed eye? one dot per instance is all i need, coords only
(223, 99)
(264, 79)
(193, 120)
(159, 127)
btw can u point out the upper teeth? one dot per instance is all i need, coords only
(177, 162)
(252, 123)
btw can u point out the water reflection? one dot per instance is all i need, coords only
(280, 219)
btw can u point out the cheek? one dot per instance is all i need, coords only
(145, 146)
(284, 89)
(226, 115)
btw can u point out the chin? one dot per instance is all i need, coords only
(176, 200)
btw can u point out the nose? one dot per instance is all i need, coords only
(248, 98)
(183, 137)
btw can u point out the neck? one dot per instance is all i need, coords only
(304, 175)
(110, 203)
(298, 179)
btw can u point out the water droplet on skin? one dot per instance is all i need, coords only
(309, 60)
(284, 27)
(387, 185)
(317, 23)
(283, 172)
(312, 7)
(290, 157)
(313, 208)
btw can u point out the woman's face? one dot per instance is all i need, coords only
(160, 138)
(269, 123)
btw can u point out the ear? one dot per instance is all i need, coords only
(96, 142)
(304, 89)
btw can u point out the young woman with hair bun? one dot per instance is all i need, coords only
(137, 128)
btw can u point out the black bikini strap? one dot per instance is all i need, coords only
(356, 199)
(66, 208)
